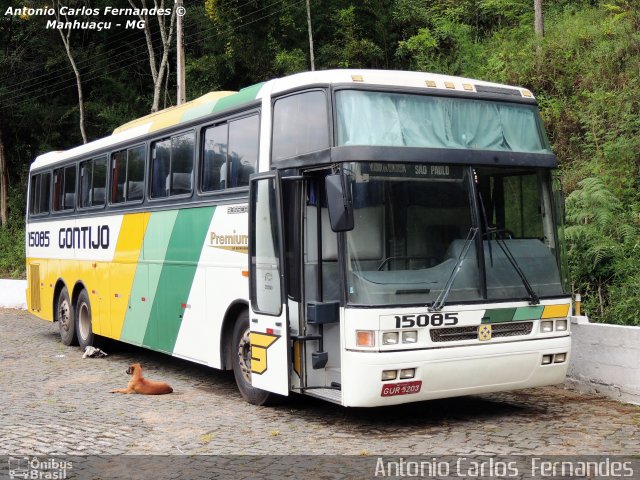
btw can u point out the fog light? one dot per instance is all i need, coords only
(365, 338)
(390, 338)
(559, 357)
(561, 325)
(546, 326)
(546, 359)
(410, 336)
(407, 373)
(389, 375)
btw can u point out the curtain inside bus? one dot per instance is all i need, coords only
(406, 120)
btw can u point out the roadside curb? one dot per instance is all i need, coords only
(13, 294)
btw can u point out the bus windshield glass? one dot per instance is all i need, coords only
(413, 222)
(409, 120)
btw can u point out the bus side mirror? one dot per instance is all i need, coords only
(340, 202)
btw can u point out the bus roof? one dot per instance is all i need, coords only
(214, 102)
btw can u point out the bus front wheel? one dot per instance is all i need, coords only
(66, 318)
(241, 360)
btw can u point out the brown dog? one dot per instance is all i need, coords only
(139, 384)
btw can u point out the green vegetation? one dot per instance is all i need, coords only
(585, 73)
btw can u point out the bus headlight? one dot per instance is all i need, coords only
(389, 375)
(546, 326)
(561, 325)
(410, 336)
(407, 373)
(390, 338)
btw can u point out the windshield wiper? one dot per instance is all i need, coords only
(442, 297)
(533, 298)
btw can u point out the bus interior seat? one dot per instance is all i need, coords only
(69, 200)
(181, 183)
(135, 190)
(427, 243)
(98, 196)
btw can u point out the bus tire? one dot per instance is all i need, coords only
(241, 361)
(65, 315)
(84, 323)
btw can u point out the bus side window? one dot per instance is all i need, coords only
(243, 150)
(172, 166)
(127, 175)
(215, 156)
(118, 176)
(160, 166)
(64, 188)
(40, 193)
(135, 173)
(300, 124)
(93, 181)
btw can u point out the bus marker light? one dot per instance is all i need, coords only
(245, 273)
(407, 373)
(365, 338)
(431, 83)
(389, 375)
(143, 299)
(546, 359)
(357, 78)
(559, 358)
(546, 326)
(561, 325)
(410, 336)
(390, 338)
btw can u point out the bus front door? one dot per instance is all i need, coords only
(269, 322)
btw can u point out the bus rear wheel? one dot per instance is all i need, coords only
(84, 325)
(241, 361)
(65, 315)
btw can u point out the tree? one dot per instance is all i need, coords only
(539, 20)
(4, 185)
(66, 40)
(157, 72)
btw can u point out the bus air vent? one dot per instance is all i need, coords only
(458, 334)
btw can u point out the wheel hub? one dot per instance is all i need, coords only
(63, 315)
(244, 355)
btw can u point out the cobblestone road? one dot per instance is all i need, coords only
(54, 402)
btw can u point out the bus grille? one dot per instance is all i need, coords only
(458, 334)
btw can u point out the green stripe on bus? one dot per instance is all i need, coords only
(245, 95)
(519, 314)
(176, 278)
(498, 315)
(528, 313)
(145, 282)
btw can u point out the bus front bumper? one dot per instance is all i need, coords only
(452, 371)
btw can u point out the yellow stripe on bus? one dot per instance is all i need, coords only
(555, 311)
(123, 269)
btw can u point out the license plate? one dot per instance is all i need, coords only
(404, 388)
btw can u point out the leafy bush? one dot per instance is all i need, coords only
(12, 263)
(604, 252)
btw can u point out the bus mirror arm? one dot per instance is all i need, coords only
(339, 202)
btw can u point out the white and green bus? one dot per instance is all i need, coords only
(365, 237)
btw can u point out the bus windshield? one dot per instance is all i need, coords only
(409, 120)
(412, 222)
